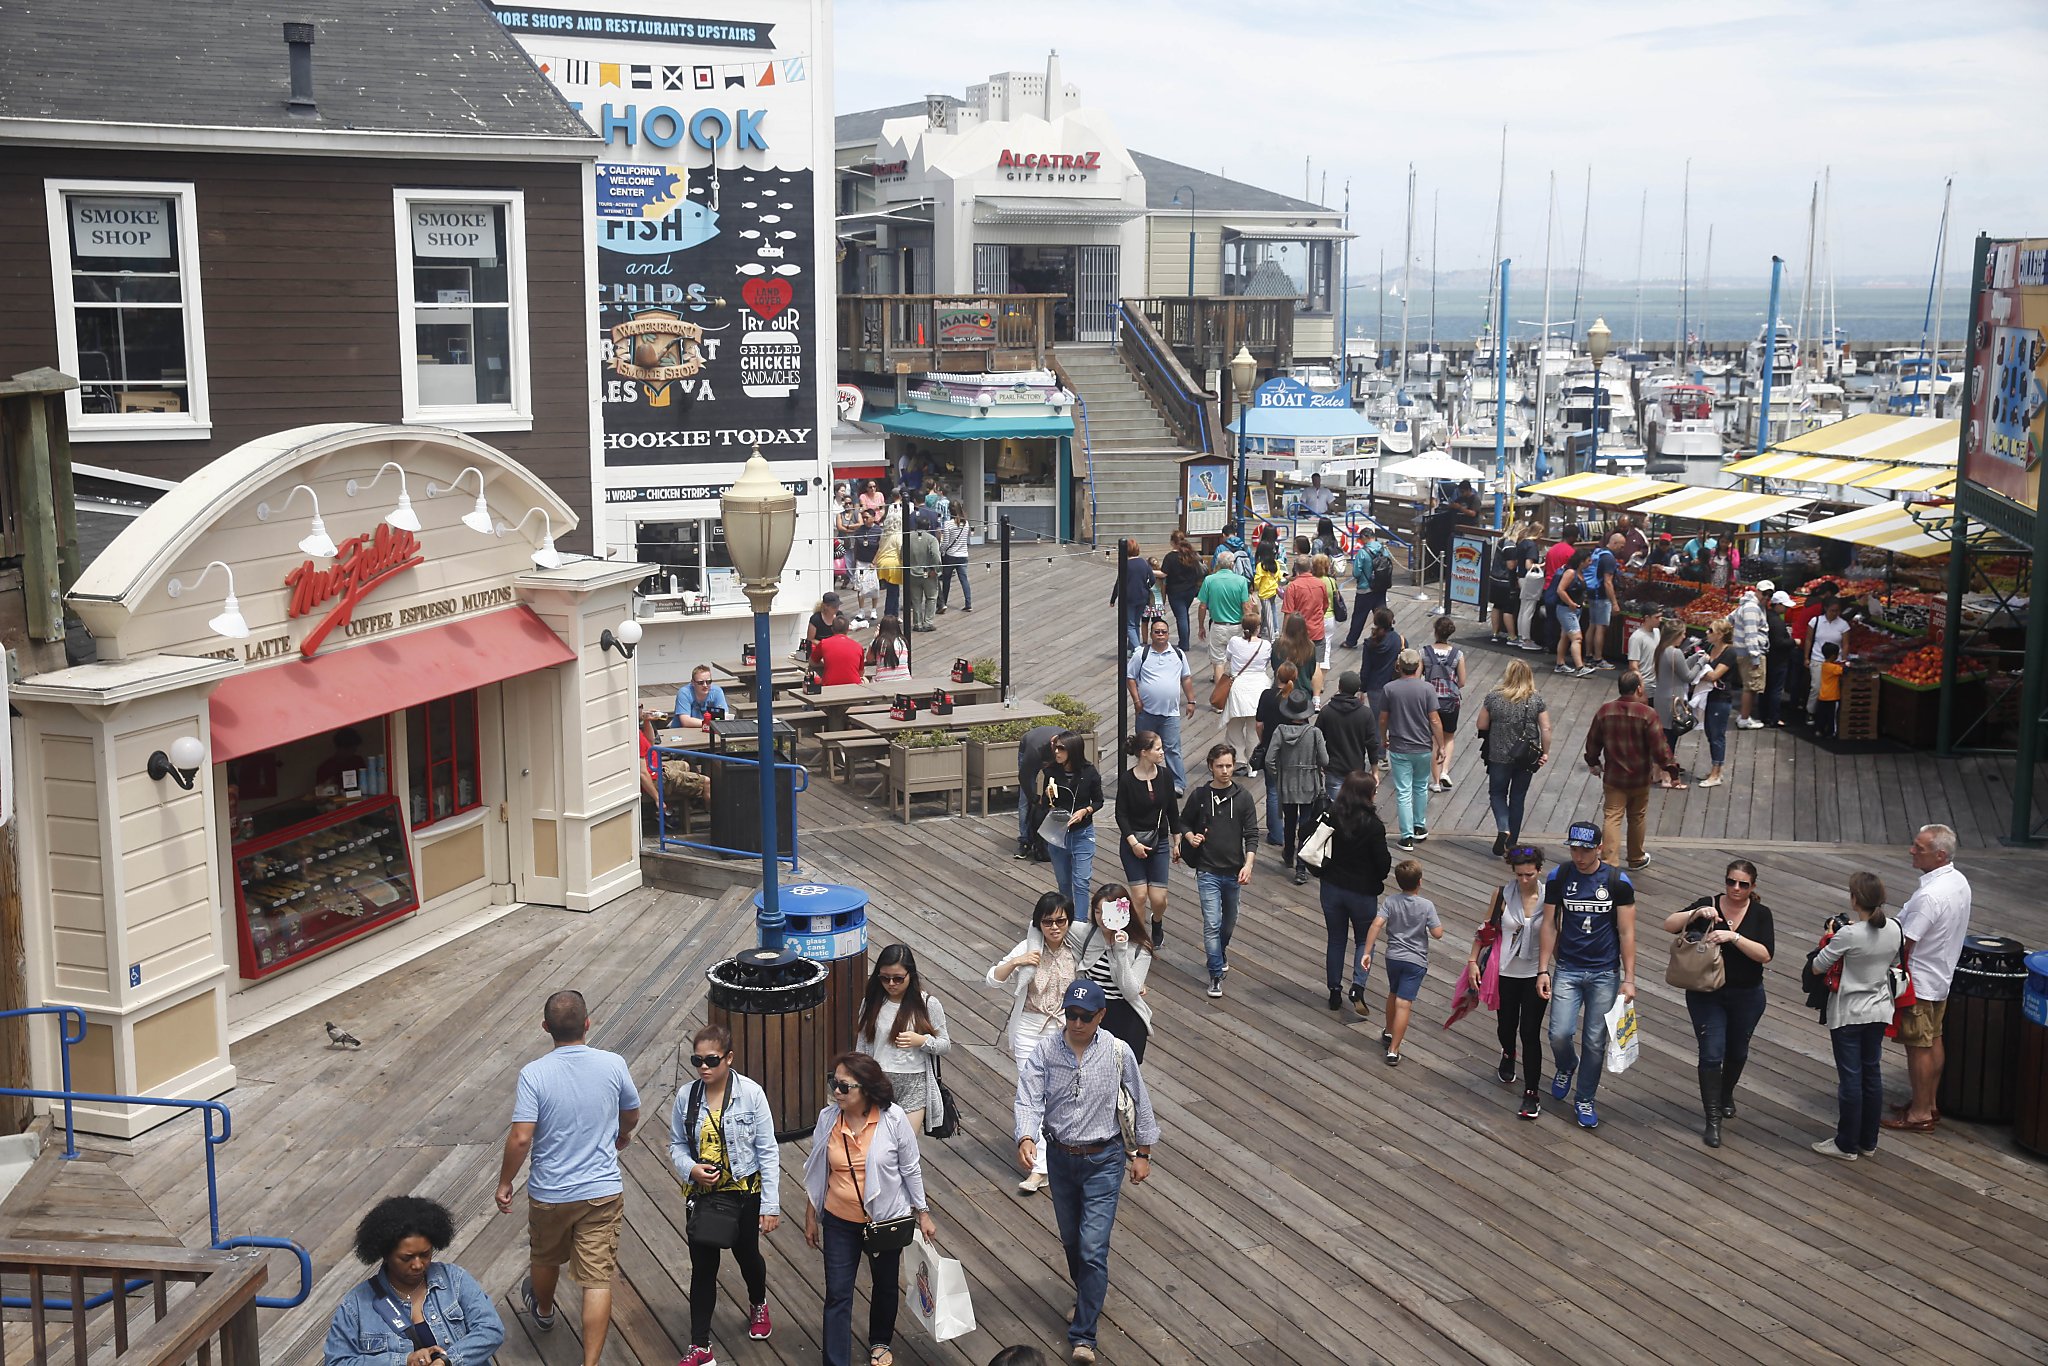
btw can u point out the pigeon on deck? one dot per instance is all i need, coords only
(341, 1038)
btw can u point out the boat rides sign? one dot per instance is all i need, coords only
(2005, 428)
(1292, 393)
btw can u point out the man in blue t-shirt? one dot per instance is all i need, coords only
(1588, 954)
(575, 1114)
(1602, 574)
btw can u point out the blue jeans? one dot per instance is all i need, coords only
(1411, 788)
(1167, 725)
(1024, 830)
(1180, 605)
(1573, 990)
(1218, 892)
(841, 1239)
(1506, 786)
(1777, 668)
(1859, 1085)
(1719, 705)
(1073, 866)
(1346, 915)
(1273, 826)
(1084, 1191)
(892, 599)
(947, 572)
(1723, 1021)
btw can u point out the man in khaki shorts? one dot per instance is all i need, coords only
(1219, 608)
(1934, 920)
(574, 1114)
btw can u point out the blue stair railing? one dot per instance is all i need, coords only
(802, 783)
(214, 1135)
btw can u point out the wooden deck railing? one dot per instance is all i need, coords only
(1177, 395)
(151, 1306)
(1205, 330)
(890, 334)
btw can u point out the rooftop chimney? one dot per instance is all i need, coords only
(299, 38)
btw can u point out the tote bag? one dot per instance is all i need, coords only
(937, 1294)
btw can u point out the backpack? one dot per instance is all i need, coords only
(1382, 572)
(1550, 587)
(1441, 672)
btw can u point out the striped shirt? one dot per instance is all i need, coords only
(1098, 973)
(1073, 1100)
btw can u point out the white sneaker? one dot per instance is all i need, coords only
(1826, 1148)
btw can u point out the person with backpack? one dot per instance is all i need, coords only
(1413, 725)
(1601, 574)
(1565, 594)
(1372, 577)
(1443, 667)
(1296, 757)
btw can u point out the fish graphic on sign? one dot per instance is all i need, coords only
(690, 225)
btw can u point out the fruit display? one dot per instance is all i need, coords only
(1846, 589)
(1921, 668)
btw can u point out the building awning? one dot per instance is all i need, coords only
(1007, 209)
(1803, 469)
(1880, 437)
(1732, 507)
(943, 427)
(1307, 422)
(1281, 232)
(1911, 479)
(1890, 526)
(263, 708)
(1601, 490)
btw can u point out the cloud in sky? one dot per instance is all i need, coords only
(1894, 96)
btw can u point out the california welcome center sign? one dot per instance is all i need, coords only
(709, 255)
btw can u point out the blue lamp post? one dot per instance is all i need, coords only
(1244, 372)
(760, 525)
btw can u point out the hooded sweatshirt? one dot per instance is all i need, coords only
(1297, 758)
(1351, 732)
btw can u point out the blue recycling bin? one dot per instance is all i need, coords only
(828, 923)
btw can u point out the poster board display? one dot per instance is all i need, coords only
(2004, 430)
(1468, 570)
(1205, 496)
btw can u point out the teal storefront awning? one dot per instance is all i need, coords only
(943, 427)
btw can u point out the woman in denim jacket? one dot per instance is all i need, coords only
(862, 1169)
(733, 1150)
(413, 1310)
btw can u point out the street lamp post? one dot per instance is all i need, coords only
(1189, 191)
(1243, 372)
(760, 525)
(1598, 340)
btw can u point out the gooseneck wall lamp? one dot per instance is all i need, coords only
(316, 542)
(625, 639)
(229, 623)
(402, 516)
(478, 518)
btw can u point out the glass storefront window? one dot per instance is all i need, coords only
(442, 773)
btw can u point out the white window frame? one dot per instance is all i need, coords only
(196, 422)
(513, 416)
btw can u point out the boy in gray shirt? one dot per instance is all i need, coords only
(1409, 923)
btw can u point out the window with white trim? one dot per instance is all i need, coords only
(688, 557)
(125, 271)
(462, 308)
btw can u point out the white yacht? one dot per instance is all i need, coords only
(1680, 424)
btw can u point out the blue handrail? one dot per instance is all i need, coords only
(64, 1041)
(1195, 401)
(1088, 452)
(662, 837)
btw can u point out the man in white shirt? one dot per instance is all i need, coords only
(1316, 500)
(1934, 919)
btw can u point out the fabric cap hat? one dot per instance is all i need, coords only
(1663, 535)
(1781, 599)
(1296, 707)
(1583, 835)
(1766, 586)
(830, 599)
(1084, 995)
(1350, 682)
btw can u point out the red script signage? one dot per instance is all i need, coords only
(1049, 161)
(360, 564)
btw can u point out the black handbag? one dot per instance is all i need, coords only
(712, 1218)
(888, 1235)
(950, 1125)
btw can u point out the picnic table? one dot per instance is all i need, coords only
(963, 717)
(732, 673)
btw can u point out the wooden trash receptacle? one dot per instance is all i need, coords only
(1980, 1031)
(773, 1004)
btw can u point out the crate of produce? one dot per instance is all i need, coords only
(1909, 705)
(1856, 719)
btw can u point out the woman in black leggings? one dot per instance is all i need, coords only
(1518, 914)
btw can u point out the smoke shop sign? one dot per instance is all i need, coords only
(121, 227)
(468, 231)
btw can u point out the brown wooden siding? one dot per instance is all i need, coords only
(299, 266)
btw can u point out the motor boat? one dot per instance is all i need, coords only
(1679, 424)
(1917, 385)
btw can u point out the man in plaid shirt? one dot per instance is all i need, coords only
(1624, 747)
(1752, 644)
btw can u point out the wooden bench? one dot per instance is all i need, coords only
(848, 746)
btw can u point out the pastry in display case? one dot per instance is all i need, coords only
(325, 880)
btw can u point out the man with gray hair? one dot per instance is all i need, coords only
(1934, 920)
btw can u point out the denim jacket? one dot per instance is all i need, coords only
(369, 1330)
(749, 1138)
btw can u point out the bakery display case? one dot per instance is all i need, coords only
(305, 888)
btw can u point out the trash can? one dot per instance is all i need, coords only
(1980, 1033)
(828, 922)
(772, 1004)
(736, 808)
(2030, 1110)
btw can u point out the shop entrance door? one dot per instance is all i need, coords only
(532, 747)
(1046, 270)
(1095, 295)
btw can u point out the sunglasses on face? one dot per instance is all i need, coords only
(1053, 922)
(1075, 1016)
(895, 980)
(1738, 882)
(842, 1087)
(706, 1059)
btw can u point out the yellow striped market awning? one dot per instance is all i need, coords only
(1883, 438)
(1889, 526)
(1911, 479)
(1735, 507)
(1802, 469)
(1605, 490)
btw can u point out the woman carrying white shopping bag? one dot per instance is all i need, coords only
(937, 1294)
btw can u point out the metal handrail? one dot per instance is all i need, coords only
(751, 761)
(1088, 452)
(1195, 401)
(64, 1042)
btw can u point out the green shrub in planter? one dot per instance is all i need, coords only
(1000, 732)
(986, 671)
(927, 739)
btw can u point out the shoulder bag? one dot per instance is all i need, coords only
(949, 1125)
(1316, 847)
(1695, 964)
(1152, 842)
(1126, 1104)
(712, 1218)
(890, 1235)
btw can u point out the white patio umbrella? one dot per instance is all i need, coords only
(1435, 465)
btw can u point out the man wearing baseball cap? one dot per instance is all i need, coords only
(1780, 650)
(1067, 1097)
(1587, 955)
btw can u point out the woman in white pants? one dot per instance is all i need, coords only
(1037, 973)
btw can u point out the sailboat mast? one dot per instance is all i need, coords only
(1805, 281)
(1642, 229)
(1707, 298)
(1344, 295)
(1831, 355)
(1500, 203)
(1940, 266)
(1543, 342)
(1407, 275)
(1579, 280)
(1684, 244)
(1429, 365)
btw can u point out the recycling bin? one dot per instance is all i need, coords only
(2030, 1103)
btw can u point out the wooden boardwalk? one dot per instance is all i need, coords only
(1309, 1204)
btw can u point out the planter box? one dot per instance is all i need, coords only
(913, 772)
(1911, 713)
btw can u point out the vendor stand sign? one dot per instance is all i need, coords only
(2004, 430)
(1467, 577)
(1205, 497)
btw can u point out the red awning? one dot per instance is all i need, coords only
(263, 708)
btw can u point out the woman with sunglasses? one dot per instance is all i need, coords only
(721, 1141)
(1115, 953)
(1070, 792)
(1147, 821)
(863, 1169)
(1518, 915)
(1725, 1019)
(904, 1030)
(1037, 973)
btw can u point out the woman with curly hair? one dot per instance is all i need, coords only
(412, 1308)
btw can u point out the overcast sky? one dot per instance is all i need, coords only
(1894, 96)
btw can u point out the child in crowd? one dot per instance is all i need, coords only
(1830, 698)
(1266, 587)
(1410, 922)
